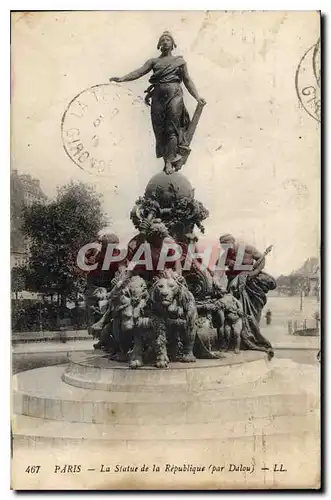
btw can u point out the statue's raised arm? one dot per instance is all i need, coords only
(170, 119)
(134, 75)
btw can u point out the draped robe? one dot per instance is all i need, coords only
(170, 118)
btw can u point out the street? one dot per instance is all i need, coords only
(22, 362)
(38, 354)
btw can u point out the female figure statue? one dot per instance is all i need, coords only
(170, 118)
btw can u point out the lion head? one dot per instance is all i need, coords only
(129, 300)
(168, 287)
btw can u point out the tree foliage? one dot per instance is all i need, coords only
(294, 284)
(56, 232)
(18, 279)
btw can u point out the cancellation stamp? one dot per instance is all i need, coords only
(308, 79)
(92, 127)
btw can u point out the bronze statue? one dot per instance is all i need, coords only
(250, 288)
(170, 118)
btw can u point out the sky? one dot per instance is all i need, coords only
(255, 161)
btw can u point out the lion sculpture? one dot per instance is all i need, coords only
(121, 325)
(129, 303)
(173, 319)
(152, 323)
(159, 321)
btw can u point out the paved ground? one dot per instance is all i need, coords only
(22, 362)
(286, 309)
(36, 355)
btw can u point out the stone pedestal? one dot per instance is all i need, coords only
(242, 410)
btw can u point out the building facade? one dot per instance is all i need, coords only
(32, 191)
(19, 258)
(25, 191)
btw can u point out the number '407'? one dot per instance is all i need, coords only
(32, 469)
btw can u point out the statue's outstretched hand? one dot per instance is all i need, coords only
(115, 79)
(202, 101)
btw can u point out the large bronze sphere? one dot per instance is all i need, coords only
(168, 183)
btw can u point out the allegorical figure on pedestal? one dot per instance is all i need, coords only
(249, 287)
(170, 119)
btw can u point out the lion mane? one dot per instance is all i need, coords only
(172, 287)
(174, 317)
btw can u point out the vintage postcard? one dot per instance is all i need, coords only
(165, 250)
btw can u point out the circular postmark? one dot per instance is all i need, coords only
(308, 79)
(100, 127)
(317, 62)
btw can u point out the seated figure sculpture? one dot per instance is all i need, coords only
(225, 313)
(250, 288)
(228, 320)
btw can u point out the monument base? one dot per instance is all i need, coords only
(103, 416)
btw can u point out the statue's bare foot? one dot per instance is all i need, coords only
(188, 358)
(162, 362)
(237, 351)
(135, 363)
(168, 168)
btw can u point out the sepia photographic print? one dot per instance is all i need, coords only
(165, 250)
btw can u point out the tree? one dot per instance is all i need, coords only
(18, 280)
(56, 232)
